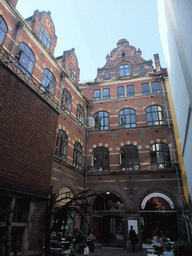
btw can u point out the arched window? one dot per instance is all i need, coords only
(48, 83)
(127, 118)
(3, 30)
(107, 75)
(44, 37)
(26, 59)
(61, 145)
(77, 155)
(124, 70)
(155, 115)
(101, 120)
(160, 156)
(66, 101)
(80, 114)
(129, 158)
(142, 69)
(101, 159)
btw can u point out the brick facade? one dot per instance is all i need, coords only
(47, 140)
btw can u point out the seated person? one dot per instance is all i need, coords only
(167, 251)
(90, 243)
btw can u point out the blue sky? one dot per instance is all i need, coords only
(93, 27)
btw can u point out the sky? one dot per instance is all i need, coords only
(93, 28)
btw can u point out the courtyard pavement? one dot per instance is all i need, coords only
(106, 251)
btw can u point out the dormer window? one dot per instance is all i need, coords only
(72, 73)
(44, 37)
(124, 70)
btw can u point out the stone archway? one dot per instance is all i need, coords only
(108, 216)
(158, 212)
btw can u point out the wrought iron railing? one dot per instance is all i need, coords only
(13, 64)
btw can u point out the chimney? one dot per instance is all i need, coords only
(157, 62)
(13, 2)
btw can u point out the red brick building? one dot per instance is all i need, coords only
(113, 134)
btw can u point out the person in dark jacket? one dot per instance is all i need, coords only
(133, 238)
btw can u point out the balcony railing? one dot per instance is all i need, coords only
(13, 64)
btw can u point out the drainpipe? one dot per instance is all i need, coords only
(174, 157)
(86, 148)
(18, 26)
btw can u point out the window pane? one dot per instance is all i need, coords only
(97, 94)
(106, 94)
(130, 90)
(155, 87)
(120, 92)
(45, 38)
(145, 88)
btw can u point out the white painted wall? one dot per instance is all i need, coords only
(175, 27)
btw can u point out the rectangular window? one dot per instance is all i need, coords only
(120, 92)
(97, 95)
(155, 87)
(130, 91)
(105, 94)
(145, 88)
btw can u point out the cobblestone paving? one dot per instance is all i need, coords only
(116, 252)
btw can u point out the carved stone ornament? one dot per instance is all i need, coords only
(113, 106)
(142, 134)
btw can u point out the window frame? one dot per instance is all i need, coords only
(120, 94)
(131, 155)
(133, 93)
(45, 37)
(123, 116)
(124, 71)
(151, 113)
(26, 55)
(72, 73)
(66, 96)
(142, 70)
(155, 90)
(80, 115)
(4, 32)
(107, 75)
(107, 96)
(49, 85)
(97, 98)
(61, 145)
(101, 161)
(145, 92)
(77, 155)
(103, 124)
(156, 156)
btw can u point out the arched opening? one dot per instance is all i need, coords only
(158, 213)
(108, 219)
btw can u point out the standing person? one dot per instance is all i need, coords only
(133, 238)
(90, 243)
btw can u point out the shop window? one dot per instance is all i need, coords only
(129, 158)
(100, 159)
(120, 92)
(155, 88)
(3, 30)
(61, 145)
(25, 59)
(97, 95)
(44, 37)
(127, 118)
(106, 95)
(77, 155)
(101, 120)
(154, 115)
(48, 83)
(160, 156)
(130, 91)
(124, 70)
(66, 101)
(80, 114)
